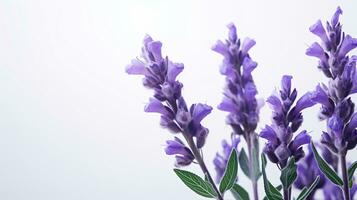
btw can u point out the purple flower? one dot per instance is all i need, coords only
(333, 192)
(220, 161)
(336, 105)
(240, 91)
(286, 119)
(184, 156)
(160, 75)
(308, 170)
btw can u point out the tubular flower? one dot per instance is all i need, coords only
(240, 90)
(160, 75)
(220, 161)
(336, 105)
(286, 120)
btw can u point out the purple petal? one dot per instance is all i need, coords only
(136, 67)
(173, 70)
(155, 105)
(269, 134)
(228, 105)
(147, 40)
(155, 48)
(201, 111)
(235, 141)
(170, 124)
(275, 103)
(221, 48)
(320, 96)
(347, 45)
(182, 161)
(317, 51)
(232, 32)
(353, 123)
(286, 84)
(269, 151)
(248, 66)
(282, 152)
(175, 147)
(304, 102)
(250, 91)
(201, 136)
(227, 69)
(353, 61)
(335, 123)
(320, 31)
(301, 139)
(247, 44)
(336, 16)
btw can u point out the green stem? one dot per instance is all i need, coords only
(202, 164)
(250, 140)
(346, 189)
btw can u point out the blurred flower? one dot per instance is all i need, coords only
(308, 170)
(220, 161)
(240, 90)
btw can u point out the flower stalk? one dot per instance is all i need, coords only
(239, 96)
(346, 189)
(202, 165)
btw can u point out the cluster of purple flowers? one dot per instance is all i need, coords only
(239, 98)
(283, 141)
(286, 121)
(220, 161)
(160, 75)
(240, 91)
(336, 105)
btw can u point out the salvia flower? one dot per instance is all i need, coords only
(220, 161)
(336, 105)
(286, 120)
(160, 75)
(240, 90)
(182, 153)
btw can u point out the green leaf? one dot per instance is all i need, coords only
(239, 192)
(279, 187)
(271, 192)
(288, 173)
(244, 163)
(230, 174)
(305, 192)
(325, 168)
(351, 171)
(196, 183)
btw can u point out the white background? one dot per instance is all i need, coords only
(72, 124)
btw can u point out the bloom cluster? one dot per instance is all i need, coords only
(160, 75)
(220, 161)
(240, 91)
(286, 121)
(284, 141)
(337, 106)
